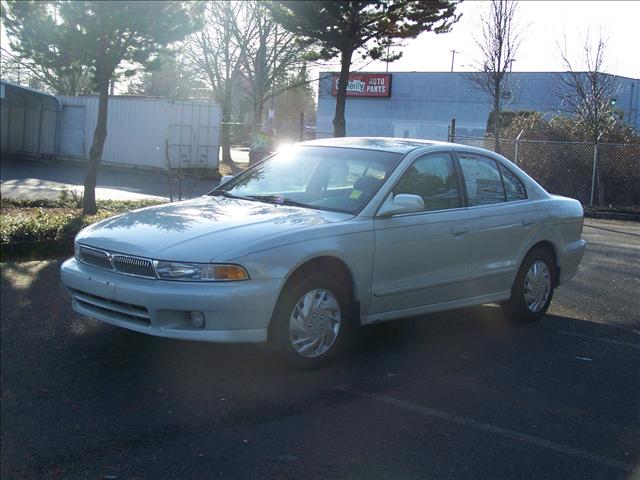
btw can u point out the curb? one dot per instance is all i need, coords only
(629, 217)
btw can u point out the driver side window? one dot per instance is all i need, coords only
(434, 178)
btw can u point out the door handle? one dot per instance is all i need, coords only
(459, 230)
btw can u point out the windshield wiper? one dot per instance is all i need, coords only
(223, 193)
(279, 200)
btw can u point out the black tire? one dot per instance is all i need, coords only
(516, 308)
(288, 301)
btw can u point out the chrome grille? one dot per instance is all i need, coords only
(97, 258)
(133, 266)
(139, 267)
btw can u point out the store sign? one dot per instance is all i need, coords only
(365, 85)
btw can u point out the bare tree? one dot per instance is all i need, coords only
(588, 93)
(242, 53)
(589, 96)
(498, 42)
(269, 53)
(214, 57)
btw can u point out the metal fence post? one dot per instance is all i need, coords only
(517, 145)
(595, 167)
(593, 173)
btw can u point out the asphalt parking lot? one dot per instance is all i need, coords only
(464, 394)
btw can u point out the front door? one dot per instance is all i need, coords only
(421, 258)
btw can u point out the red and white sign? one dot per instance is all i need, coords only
(365, 85)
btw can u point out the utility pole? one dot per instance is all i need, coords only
(453, 57)
(388, 45)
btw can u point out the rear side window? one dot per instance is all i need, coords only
(432, 177)
(482, 179)
(513, 187)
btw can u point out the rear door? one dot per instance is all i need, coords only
(421, 258)
(500, 222)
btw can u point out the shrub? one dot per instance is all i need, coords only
(44, 223)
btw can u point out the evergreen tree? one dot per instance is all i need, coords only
(345, 27)
(99, 36)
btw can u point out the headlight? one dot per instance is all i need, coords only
(76, 250)
(199, 272)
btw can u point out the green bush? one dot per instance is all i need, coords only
(18, 225)
(50, 224)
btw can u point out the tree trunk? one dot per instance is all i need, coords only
(95, 154)
(257, 115)
(225, 137)
(496, 118)
(339, 124)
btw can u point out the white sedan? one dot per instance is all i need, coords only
(326, 236)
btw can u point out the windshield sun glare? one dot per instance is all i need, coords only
(324, 178)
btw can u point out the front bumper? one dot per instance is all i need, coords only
(233, 311)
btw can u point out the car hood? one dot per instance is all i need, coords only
(201, 229)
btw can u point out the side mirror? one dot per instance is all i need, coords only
(225, 179)
(401, 203)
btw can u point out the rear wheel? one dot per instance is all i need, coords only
(313, 321)
(533, 288)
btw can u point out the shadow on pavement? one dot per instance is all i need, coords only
(79, 392)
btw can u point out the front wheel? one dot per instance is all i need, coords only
(532, 289)
(313, 321)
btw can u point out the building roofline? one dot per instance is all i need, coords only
(556, 72)
(33, 90)
(150, 98)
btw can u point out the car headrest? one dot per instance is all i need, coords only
(366, 184)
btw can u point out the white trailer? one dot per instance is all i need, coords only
(141, 131)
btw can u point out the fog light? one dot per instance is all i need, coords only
(196, 319)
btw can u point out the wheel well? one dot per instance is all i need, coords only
(551, 250)
(330, 265)
(326, 264)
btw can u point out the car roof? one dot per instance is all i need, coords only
(383, 144)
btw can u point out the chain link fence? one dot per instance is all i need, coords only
(596, 174)
(603, 174)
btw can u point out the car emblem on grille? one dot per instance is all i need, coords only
(110, 259)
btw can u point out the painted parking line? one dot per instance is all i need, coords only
(487, 427)
(607, 340)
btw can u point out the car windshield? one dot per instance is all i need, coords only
(326, 178)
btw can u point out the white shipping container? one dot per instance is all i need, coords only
(138, 129)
